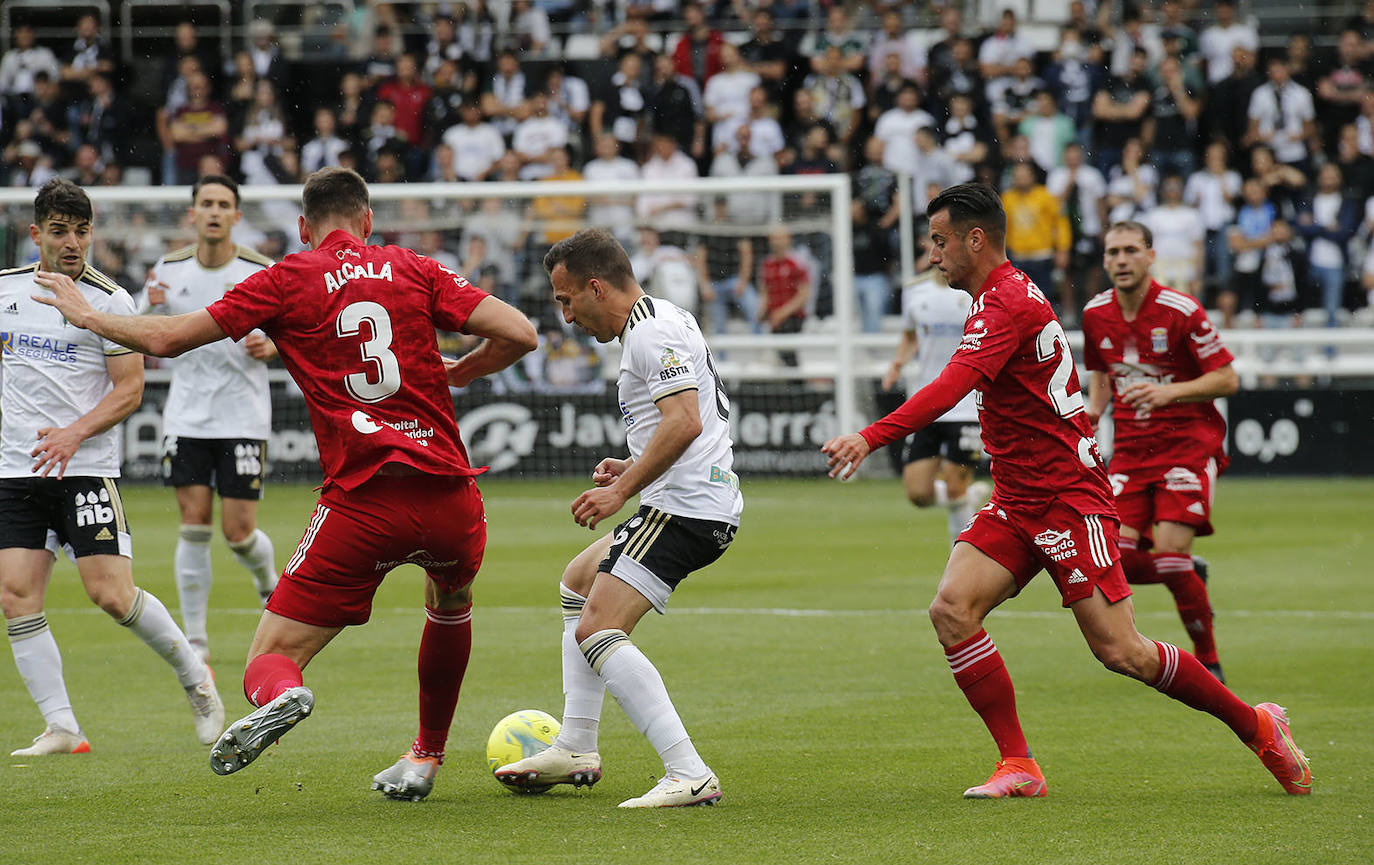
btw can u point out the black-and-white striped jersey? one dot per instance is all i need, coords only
(664, 353)
(218, 391)
(54, 373)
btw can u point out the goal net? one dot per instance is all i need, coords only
(764, 263)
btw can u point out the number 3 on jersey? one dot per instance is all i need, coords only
(1065, 403)
(375, 351)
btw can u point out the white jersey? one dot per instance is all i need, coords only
(218, 390)
(53, 373)
(936, 314)
(664, 353)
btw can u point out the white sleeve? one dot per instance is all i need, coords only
(119, 303)
(659, 357)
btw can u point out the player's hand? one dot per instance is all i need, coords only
(845, 453)
(608, 470)
(56, 447)
(259, 347)
(593, 506)
(65, 296)
(1146, 396)
(156, 292)
(453, 371)
(890, 377)
(1093, 419)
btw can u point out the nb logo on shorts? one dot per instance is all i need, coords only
(93, 508)
(1057, 545)
(247, 459)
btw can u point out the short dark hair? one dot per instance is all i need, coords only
(218, 180)
(592, 253)
(61, 197)
(1132, 225)
(972, 205)
(334, 191)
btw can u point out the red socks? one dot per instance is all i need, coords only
(1182, 677)
(444, 651)
(1139, 566)
(980, 673)
(267, 676)
(1190, 596)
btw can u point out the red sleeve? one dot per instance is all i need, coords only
(1204, 343)
(990, 338)
(924, 407)
(1091, 359)
(454, 297)
(255, 302)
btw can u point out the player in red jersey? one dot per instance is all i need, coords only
(1051, 507)
(1155, 349)
(355, 326)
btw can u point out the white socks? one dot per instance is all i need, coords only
(638, 688)
(583, 690)
(149, 619)
(40, 666)
(194, 576)
(256, 554)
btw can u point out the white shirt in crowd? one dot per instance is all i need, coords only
(1282, 113)
(475, 148)
(897, 130)
(534, 137)
(674, 209)
(727, 95)
(1214, 196)
(609, 212)
(1092, 188)
(1216, 44)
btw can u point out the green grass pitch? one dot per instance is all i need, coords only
(806, 670)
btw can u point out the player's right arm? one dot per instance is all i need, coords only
(57, 445)
(1099, 394)
(906, 350)
(158, 335)
(507, 336)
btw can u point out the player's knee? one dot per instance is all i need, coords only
(110, 598)
(920, 499)
(578, 577)
(953, 622)
(1120, 659)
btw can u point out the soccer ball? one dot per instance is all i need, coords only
(519, 735)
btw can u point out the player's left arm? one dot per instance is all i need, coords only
(1147, 396)
(158, 335)
(507, 336)
(1099, 394)
(678, 426)
(57, 445)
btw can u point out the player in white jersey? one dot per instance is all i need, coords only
(939, 460)
(219, 409)
(677, 424)
(62, 392)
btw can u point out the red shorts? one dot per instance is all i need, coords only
(357, 536)
(1177, 494)
(1079, 551)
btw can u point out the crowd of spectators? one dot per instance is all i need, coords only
(1254, 167)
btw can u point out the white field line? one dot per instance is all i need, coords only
(784, 612)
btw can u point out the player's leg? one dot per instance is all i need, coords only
(974, 583)
(250, 545)
(191, 564)
(613, 608)
(24, 577)
(239, 473)
(1110, 631)
(281, 649)
(109, 583)
(919, 476)
(1173, 560)
(572, 758)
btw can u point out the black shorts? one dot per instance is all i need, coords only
(654, 551)
(85, 513)
(234, 467)
(959, 442)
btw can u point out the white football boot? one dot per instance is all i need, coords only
(208, 710)
(551, 766)
(411, 778)
(250, 735)
(55, 740)
(673, 792)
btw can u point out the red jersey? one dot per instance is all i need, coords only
(782, 279)
(355, 327)
(1032, 413)
(1170, 339)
